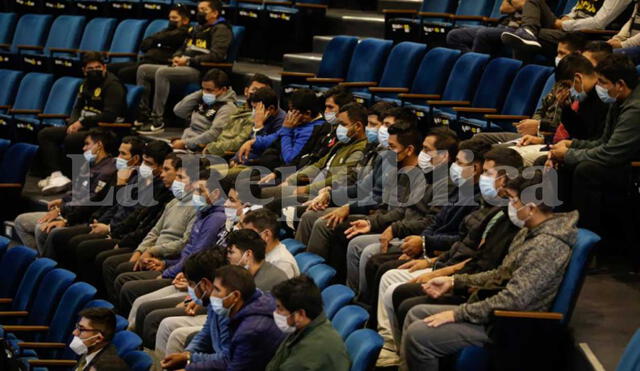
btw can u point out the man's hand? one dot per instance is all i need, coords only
(320, 202)
(267, 178)
(440, 319)
(99, 228)
(438, 286)
(49, 216)
(301, 190)
(416, 264)
(528, 140)
(175, 360)
(336, 216)
(292, 119)
(153, 264)
(412, 246)
(54, 204)
(385, 237)
(139, 263)
(245, 150)
(361, 226)
(74, 128)
(191, 308)
(615, 43)
(528, 127)
(424, 277)
(52, 225)
(261, 116)
(178, 144)
(180, 282)
(559, 150)
(180, 61)
(558, 23)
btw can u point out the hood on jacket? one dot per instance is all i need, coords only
(260, 304)
(229, 96)
(561, 226)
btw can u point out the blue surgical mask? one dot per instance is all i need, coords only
(208, 98)
(372, 135)
(145, 171)
(121, 163)
(89, 156)
(488, 188)
(383, 136)
(192, 294)
(343, 134)
(217, 304)
(199, 201)
(456, 174)
(330, 117)
(604, 96)
(576, 95)
(177, 188)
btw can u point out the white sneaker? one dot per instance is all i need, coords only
(388, 358)
(57, 184)
(44, 182)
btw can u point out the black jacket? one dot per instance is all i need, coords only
(159, 47)
(107, 359)
(207, 43)
(588, 121)
(105, 102)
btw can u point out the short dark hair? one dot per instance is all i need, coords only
(176, 161)
(407, 134)
(235, 278)
(102, 319)
(380, 107)
(137, 145)
(305, 100)
(262, 219)
(218, 77)
(247, 239)
(261, 78)
(299, 293)
(180, 9)
(503, 156)
(340, 95)
(355, 112)
(618, 67)
(203, 264)
(214, 181)
(521, 183)
(266, 96)
(599, 49)
(476, 147)
(214, 4)
(158, 151)
(446, 140)
(576, 41)
(572, 64)
(401, 114)
(106, 137)
(92, 56)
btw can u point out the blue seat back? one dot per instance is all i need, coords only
(121, 323)
(574, 274)
(548, 86)
(31, 30)
(30, 282)
(335, 297)
(72, 302)
(15, 164)
(307, 260)
(9, 82)
(294, 246)
(33, 91)
(4, 241)
(321, 274)
(402, 64)
(13, 265)
(7, 26)
(368, 60)
(99, 303)
(363, 347)
(348, 319)
(127, 38)
(464, 76)
(568, 5)
(126, 341)
(495, 82)
(630, 360)
(61, 98)
(473, 358)
(65, 32)
(138, 360)
(155, 26)
(473, 7)
(48, 296)
(525, 90)
(234, 48)
(495, 11)
(134, 93)
(97, 34)
(438, 6)
(337, 56)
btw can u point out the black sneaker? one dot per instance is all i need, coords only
(151, 128)
(522, 38)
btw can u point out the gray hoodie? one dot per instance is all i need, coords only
(171, 232)
(205, 121)
(529, 276)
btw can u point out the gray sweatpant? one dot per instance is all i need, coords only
(163, 77)
(28, 230)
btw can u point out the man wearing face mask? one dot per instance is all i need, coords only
(92, 341)
(101, 98)
(595, 167)
(207, 42)
(311, 342)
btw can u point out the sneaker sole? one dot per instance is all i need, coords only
(56, 190)
(518, 42)
(147, 132)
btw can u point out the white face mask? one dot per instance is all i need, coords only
(424, 161)
(557, 60)
(513, 216)
(78, 346)
(330, 117)
(231, 214)
(145, 171)
(383, 136)
(456, 174)
(282, 323)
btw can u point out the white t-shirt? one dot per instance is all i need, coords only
(282, 258)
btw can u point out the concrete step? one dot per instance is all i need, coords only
(399, 4)
(302, 62)
(356, 23)
(242, 70)
(320, 42)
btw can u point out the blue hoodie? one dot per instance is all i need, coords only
(292, 140)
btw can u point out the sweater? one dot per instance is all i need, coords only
(171, 232)
(105, 102)
(529, 276)
(594, 14)
(235, 132)
(620, 140)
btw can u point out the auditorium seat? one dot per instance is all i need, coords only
(16, 162)
(404, 25)
(335, 297)
(126, 341)
(30, 100)
(307, 260)
(12, 267)
(9, 83)
(138, 360)
(27, 285)
(7, 27)
(29, 32)
(363, 346)
(126, 39)
(348, 319)
(630, 360)
(155, 26)
(321, 274)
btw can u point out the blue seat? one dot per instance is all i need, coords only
(234, 48)
(4, 241)
(335, 297)
(548, 86)
(96, 36)
(65, 33)
(138, 360)
(321, 274)
(30, 99)
(15, 164)
(29, 282)
(630, 360)
(468, 13)
(403, 25)
(126, 39)
(564, 303)
(568, 5)
(155, 26)
(126, 341)
(307, 260)
(121, 323)
(12, 267)
(7, 26)
(348, 319)
(30, 30)
(294, 246)
(99, 303)
(363, 347)
(9, 82)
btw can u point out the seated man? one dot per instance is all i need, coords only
(627, 41)
(541, 29)
(311, 343)
(208, 42)
(594, 167)
(101, 98)
(207, 111)
(157, 48)
(92, 341)
(93, 183)
(596, 51)
(527, 280)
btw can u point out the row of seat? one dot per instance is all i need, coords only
(40, 308)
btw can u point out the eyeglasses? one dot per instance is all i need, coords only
(82, 329)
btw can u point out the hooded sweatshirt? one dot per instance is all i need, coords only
(205, 120)
(594, 14)
(529, 276)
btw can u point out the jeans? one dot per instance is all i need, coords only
(305, 227)
(633, 53)
(173, 333)
(477, 39)
(51, 142)
(166, 292)
(355, 254)
(28, 230)
(163, 77)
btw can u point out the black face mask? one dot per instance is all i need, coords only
(173, 25)
(201, 18)
(95, 77)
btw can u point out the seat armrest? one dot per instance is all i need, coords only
(633, 164)
(14, 313)
(25, 328)
(358, 84)
(505, 117)
(115, 124)
(53, 115)
(474, 110)
(19, 111)
(435, 15)
(52, 362)
(30, 47)
(64, 50)
(418, 96)
(6, 300)
(400, 11)
(5, 106)
(469, 17)
(311, 6)
(325, 80)
(5, 46)
(296, 74)
(39, 345)
(448, 102)
(10, 185)
(530, 315)
(388, 90)
(217, 64)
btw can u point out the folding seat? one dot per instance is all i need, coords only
(232, 54)
(335, 297)
(398, 73)
(365, 68)
(249, 15)
(363, 347)
(321, 274)
(155, 26)
(307, 260)
(4, 241)
(564, 7)
(30, 31)
(12, 267)
(7, 26)
(65, 33)
(630, 359)
(28, 284)
(126, 39)
(138, 360)
(519, 104)
(477, 358)
(468, 13)
(294, 246)
(403, 24)
(121, 322)
(134, 93)
(348, 319)
(9, 82)
(16, 162)
(30, 100)
(59, 105)
(460, 86)
(96, 36)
